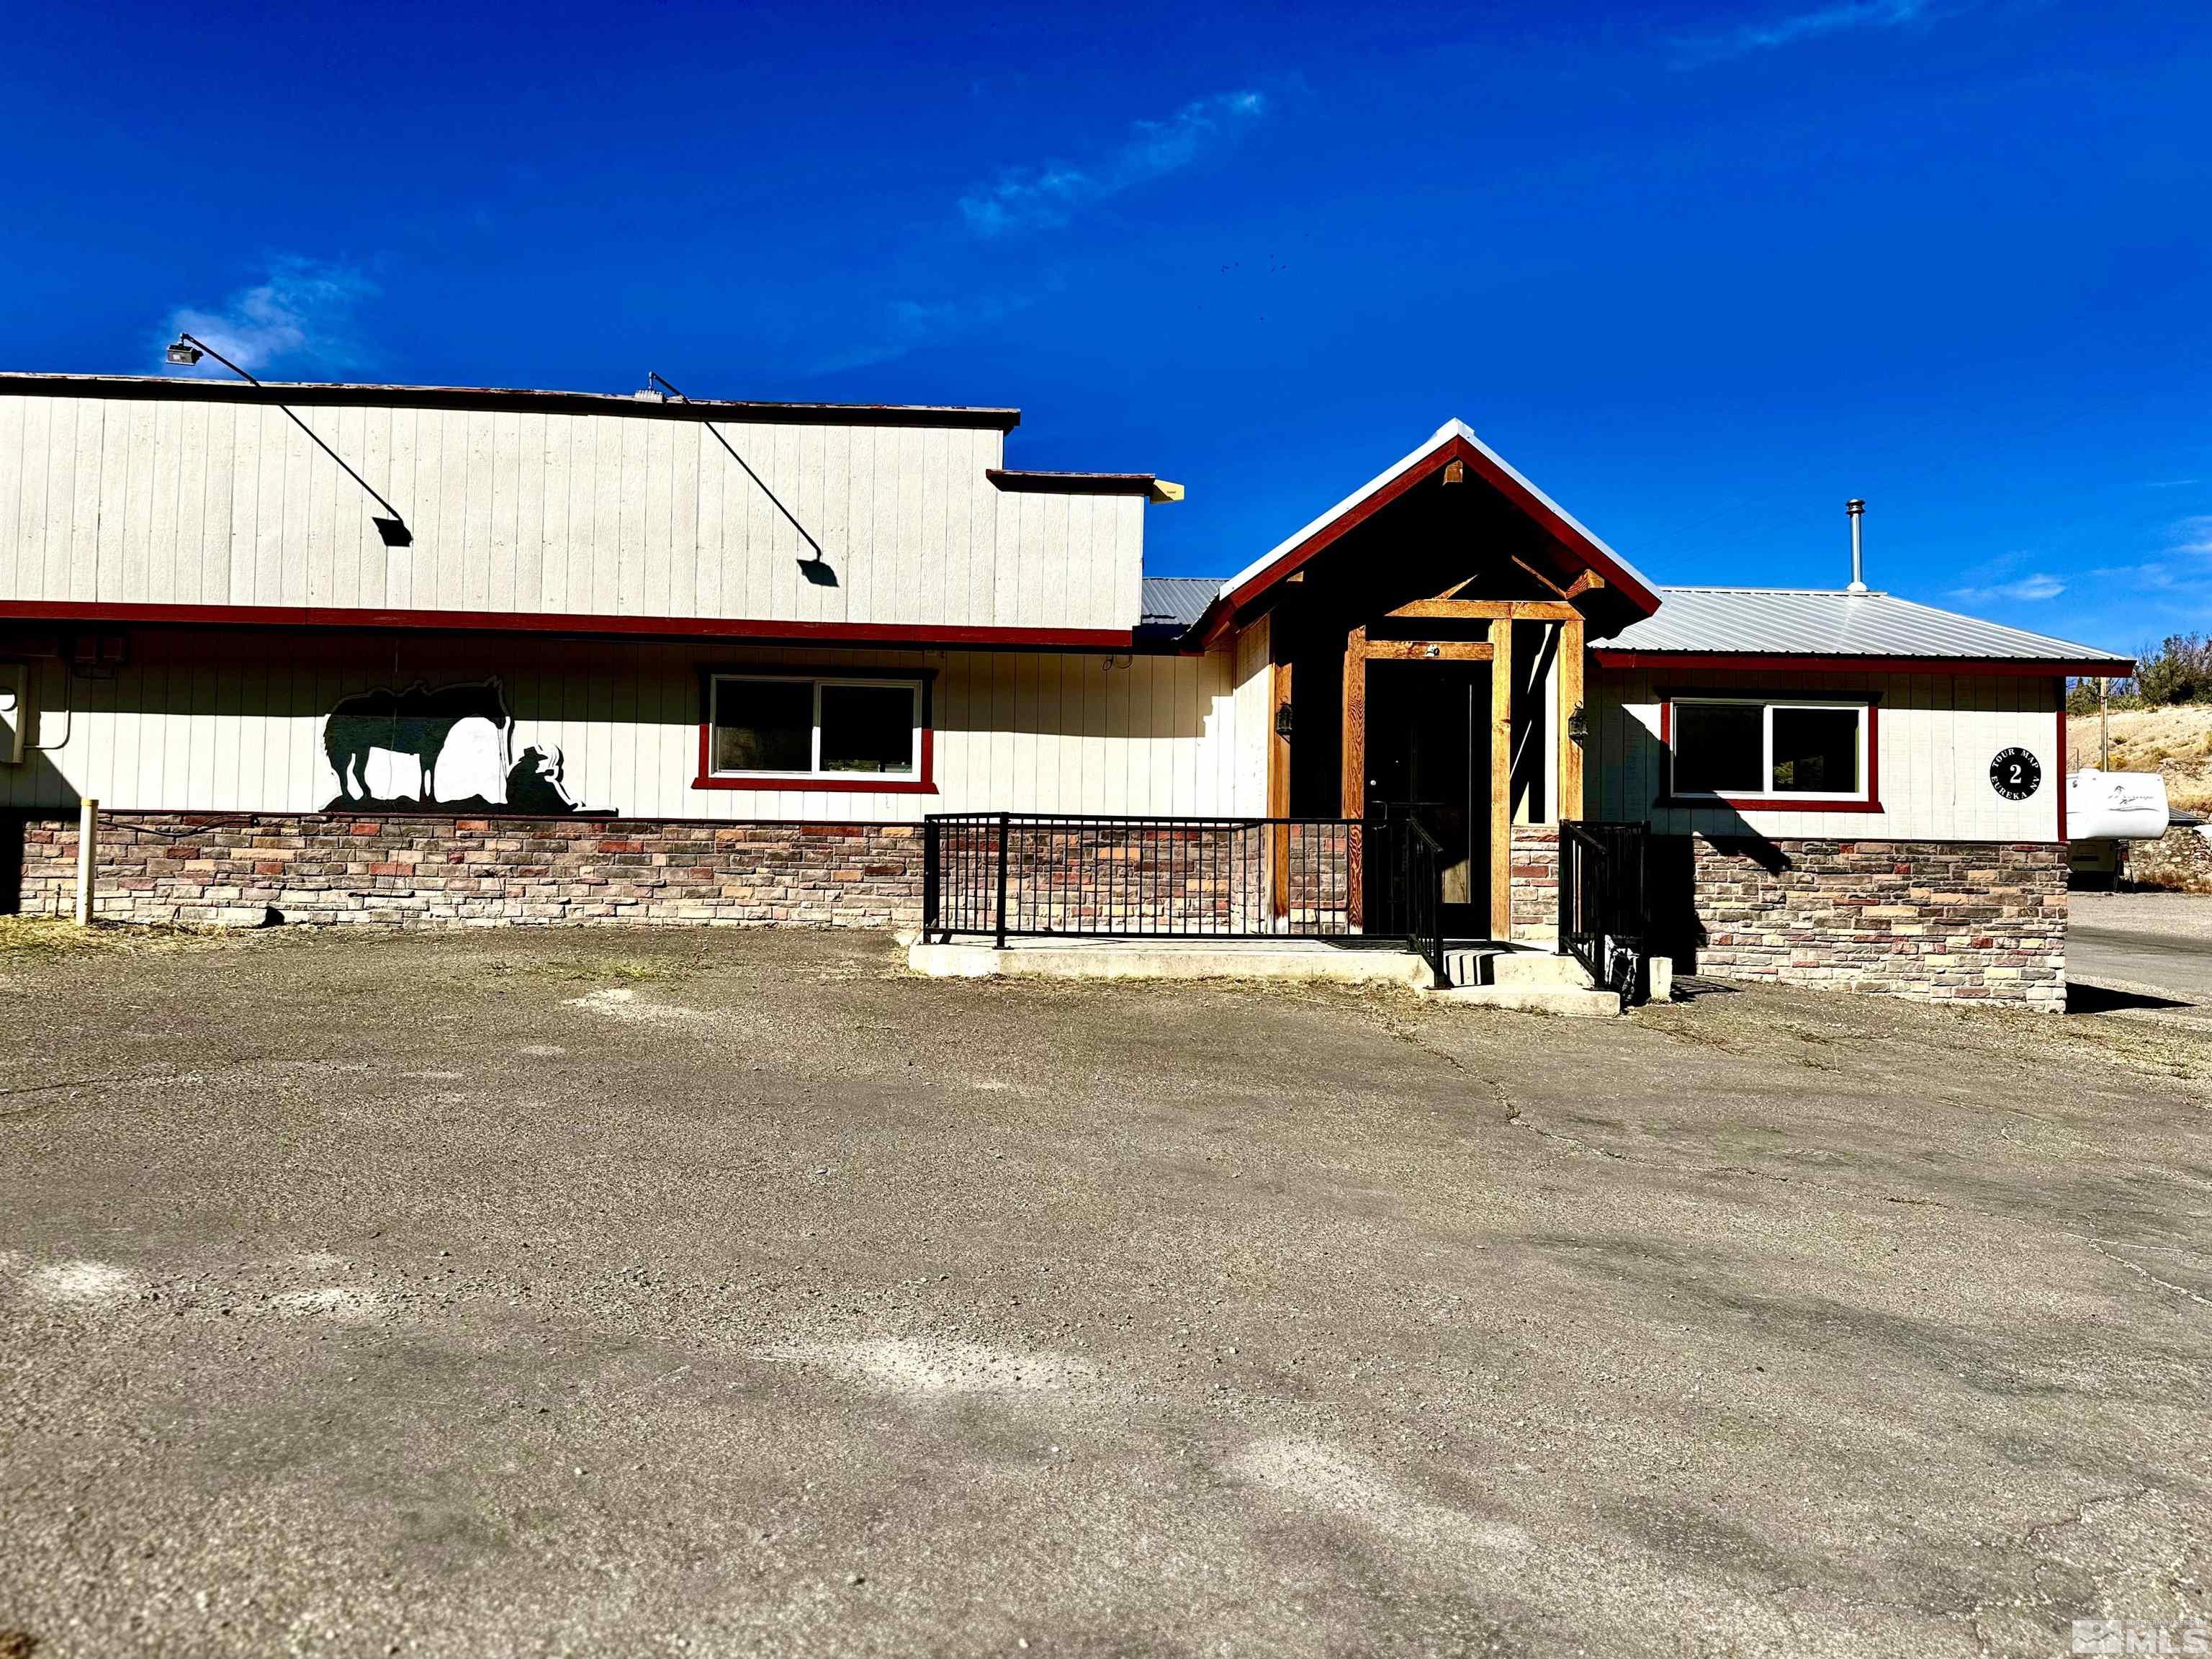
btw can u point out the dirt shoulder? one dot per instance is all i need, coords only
(661, 1292)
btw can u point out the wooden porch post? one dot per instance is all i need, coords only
(1570, 698)
(1501, 778)
(1279, 787)
(1352, 803)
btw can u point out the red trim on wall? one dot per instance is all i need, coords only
(2062, 752)
(1766, 803)
(503, 621)
(1754, 662)
(821, 786)
(924, 785)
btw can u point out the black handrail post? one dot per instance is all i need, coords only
(1005, 824)
(1565, 904)
(929, 909)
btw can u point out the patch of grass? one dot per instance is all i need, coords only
(52, 936)
(624, 969)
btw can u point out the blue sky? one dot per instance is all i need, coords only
(1701, 271)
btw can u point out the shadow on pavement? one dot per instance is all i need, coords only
(2103, 1000)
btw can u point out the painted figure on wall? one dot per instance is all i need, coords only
(440, 750)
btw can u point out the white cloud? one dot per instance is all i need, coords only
(1831, 19)
(2194, 535)
(300, 317)
(905, 326)
(1047, 197)
(2037, 587)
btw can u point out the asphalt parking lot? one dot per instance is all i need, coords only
(2159, 943)
(628, 1292)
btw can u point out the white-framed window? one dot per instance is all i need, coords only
(1779, 749)
(848, 729)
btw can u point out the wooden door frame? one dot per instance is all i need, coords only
(1359, 650)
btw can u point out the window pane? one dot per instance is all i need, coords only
(1816, 751)
(764, 725)
(1717, 748)
(867, 728)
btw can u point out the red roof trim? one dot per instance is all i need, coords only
(1575, 543)
(1071, 483)
(1754, 661)
(504, 622)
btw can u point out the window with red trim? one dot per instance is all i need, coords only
(774, 731)
(1781, 752)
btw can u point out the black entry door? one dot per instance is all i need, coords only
(1425, 721)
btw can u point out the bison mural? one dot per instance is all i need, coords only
(442, 750)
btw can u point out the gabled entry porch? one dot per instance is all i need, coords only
(1425, 641)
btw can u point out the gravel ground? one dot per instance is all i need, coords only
(659, 1294)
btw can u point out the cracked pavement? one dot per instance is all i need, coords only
(669, 1292)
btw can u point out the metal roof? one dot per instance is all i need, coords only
(325, 392)
(1176, 602)
(1828, 621)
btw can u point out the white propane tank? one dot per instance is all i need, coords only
(2115, 806)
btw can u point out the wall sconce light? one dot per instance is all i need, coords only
(1282, 721)
(1577, 726)
(391, 529)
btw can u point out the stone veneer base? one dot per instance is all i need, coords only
(1933, 920)
(422, 871)
(1928, 920)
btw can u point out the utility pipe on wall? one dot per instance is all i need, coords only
(88, 836)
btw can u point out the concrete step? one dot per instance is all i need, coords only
(1488, 966)
(1568, 1001)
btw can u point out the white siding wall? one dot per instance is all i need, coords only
(214, 502)
(1254, 716)
(235, 722)
(1939, 732)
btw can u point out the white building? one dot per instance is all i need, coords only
(427, 655)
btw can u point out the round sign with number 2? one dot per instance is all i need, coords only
(2015, 774)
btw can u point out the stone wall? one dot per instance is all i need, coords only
(1536, 883)
(1934, 920)
(2181, 860)
(248, 869)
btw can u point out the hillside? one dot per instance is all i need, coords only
(2176, 741)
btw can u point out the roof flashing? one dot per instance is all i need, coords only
(376, 394)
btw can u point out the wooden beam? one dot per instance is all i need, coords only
(1588, 582)
(1489, 609)
(1570, 698)
(1540, 576)
(1352, 803)
(1354, 793)
(1501, 779)
(1279, 783)
(1426, 651)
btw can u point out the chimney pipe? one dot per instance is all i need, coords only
(1857, 508)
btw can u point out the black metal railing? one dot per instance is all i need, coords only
(1423, 891)
(1604, 913)
(1002, 875)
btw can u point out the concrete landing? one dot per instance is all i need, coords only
(1141, 958)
